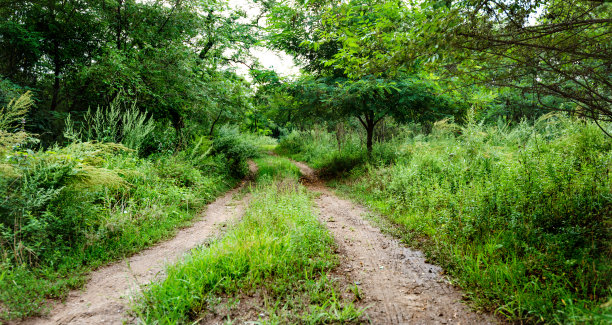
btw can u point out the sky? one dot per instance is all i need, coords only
(281, 62)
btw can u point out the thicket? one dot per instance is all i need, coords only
(518, 216)
(68, 209)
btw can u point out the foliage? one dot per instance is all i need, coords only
(360, 78)
(171, 57)
(547, 49)
(117, 123)
(320, 149)
(276, 168)
(14, 112)
(67, 210)
(11, 116)
(235, 149)
(279, 250)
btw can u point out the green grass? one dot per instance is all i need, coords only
(279, 250)
(520, 218)
(105, 204)
(275, 167)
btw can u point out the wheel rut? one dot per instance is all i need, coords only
(395, 282)
(107, 295)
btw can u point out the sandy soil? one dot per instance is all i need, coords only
(397, 285)
(106, 297)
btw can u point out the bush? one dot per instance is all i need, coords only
(236, 150)
(119, 123)
(320, 149)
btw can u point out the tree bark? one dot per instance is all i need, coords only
(178, 124)
(212, 127)
(56, 76)
(369, 122)
(369, 138)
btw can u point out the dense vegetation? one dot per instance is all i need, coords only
(69, 209)
(517, 215)
(480, 129)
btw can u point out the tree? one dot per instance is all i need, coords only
(553, 48)
(370, 100)
(365, 74)
(76, 54)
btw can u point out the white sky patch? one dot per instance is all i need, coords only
(279, 61)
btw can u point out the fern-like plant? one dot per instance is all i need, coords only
(15, 111)
(135, 127)
(11, 116)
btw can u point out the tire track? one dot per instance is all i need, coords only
(397, 285)
(107, 295)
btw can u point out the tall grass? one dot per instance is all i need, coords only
(272, 167)
(118, 123)
(67, 210)
(278, 250)
(520, 217)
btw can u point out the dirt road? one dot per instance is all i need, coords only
(106, 297)
(396, 283)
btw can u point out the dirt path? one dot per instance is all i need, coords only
(395, 281)
(106, 296)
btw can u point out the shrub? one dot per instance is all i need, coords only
(236, 150)
(320, 149)
(66, 210)
(119, 123)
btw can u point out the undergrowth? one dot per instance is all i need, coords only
(519, 217)
(279, 250)
(274, 167)
(67, 210)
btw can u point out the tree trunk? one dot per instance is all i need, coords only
(369, 122)
(178, 124)
(56, 77)
(212, 127)
(369, 137)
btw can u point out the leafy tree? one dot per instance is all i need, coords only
(77, 54)
(363, 75)
(227, 100)
(370, 100)
(550, 48)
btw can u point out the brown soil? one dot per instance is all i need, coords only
(397, 285)
(106, 297)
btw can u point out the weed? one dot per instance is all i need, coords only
(68, 210)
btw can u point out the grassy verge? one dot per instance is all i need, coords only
(76, 208)
(278, 251)
(274, 167)
(525, 232)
